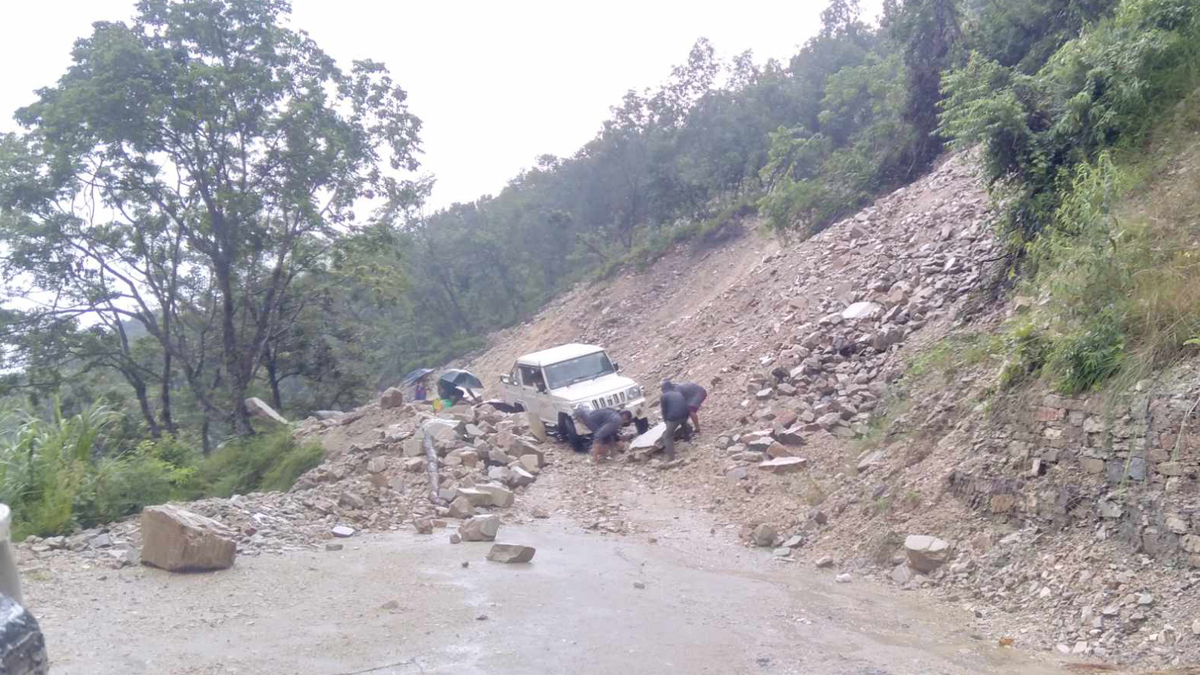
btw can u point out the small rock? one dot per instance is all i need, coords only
(481, 617)
(334, 547)
(539, 512)
(843, 578)
(824, 562)
(455, 538)
(390, 604)
(423, 525)
(639, 585)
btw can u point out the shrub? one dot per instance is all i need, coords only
(1084, 359)
(266, 462)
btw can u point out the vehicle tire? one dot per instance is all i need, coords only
(566, 430)
(642, 424)
(22, 646)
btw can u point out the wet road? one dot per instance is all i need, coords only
(401, 603)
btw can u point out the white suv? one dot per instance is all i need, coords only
(552, 382)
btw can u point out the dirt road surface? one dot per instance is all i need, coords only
(678, 596)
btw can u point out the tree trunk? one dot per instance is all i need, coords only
(139, 389)
(273, 378)
(164, 396)
(205, 444)
(238, 382)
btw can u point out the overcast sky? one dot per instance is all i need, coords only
(495, 83)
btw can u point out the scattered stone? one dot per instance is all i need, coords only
(902, 574)
(392, 398)
(639, 585)
(861, 310)
(784, 465)
(461, 507)
(424, 525)
(843, 578)
(926, 553)
(824, 562)
(334, 547)
(480, 528)
(455, 538)
(511, 553)
(764, 535)
(177, 540)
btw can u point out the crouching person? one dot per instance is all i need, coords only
(605, 424)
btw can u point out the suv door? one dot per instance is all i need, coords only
(534, 393)
(510, 386)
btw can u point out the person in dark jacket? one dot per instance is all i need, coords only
(693, 393)
(675, 413)
(605, 424)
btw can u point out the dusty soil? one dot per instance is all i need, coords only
(708, 605)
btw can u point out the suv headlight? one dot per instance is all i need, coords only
(634, 392)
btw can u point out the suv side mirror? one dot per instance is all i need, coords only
(616, 366)
(504, 379)
(541, 388)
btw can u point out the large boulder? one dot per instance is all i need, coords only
(260, 409)
(480, 528)
(392, 398)
(177, 540)
(926, 553)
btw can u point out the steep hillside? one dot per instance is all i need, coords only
(901, 426)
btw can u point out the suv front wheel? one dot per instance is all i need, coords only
(566, 430)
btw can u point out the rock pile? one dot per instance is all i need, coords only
(486, 458)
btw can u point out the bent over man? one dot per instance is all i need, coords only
(693, 394)
(675, 414)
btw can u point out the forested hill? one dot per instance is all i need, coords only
(183, 215)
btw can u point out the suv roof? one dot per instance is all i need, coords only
(558, 354)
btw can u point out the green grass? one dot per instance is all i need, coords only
(58, 474)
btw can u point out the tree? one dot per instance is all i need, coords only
(930, 35)
(207, 139)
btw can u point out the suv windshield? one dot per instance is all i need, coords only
(577, 370)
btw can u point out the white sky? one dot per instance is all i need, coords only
(495, 83)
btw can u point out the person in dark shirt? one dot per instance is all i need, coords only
(693, 393)
(605, 424)
(675, 413)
